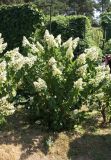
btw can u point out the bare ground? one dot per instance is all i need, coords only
(20, 141)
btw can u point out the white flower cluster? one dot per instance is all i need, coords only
(2, 44)
(58, 39)
(92, 53)
(79, 84)
(53, 63)
(39, 46)
(6, 108)
(68, 43)
(34, 48)
(75, 42)
(71, 45)
(56, 71)
(25, 42)
(105, 71)
(51, 41)
(69, 53)
(100, 76)
(17, 61)
(40, 85)
(82, 71)
(81, 60)
(3, 73)
(100, 96)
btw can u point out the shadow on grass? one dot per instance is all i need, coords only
(91, 147)
(31, 137)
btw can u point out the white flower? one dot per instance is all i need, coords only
(39, 46)
(76, 111)
(107, 69)
(6, 108)
(69, 53)
(40, 85)
(52, 42)
(81, 59)
(52, 61)
(79, 84)
(29, 60)
(100, 96)
(58, 39)
(3, 66)
(92, 53)
(68, 43)
(14, 54)
(99, 68)
(98, 79)
(2, 44)
(83, 108)
(49, 38)
(82, 71)
(56, 71)
(46, 35)
(34, 49)
(3, 76)
(17, 61)
(75, 42)
(25, 42)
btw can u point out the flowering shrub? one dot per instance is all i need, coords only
(58, 87)
(12, 69)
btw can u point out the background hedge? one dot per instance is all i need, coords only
(72, 26)
(68, 26)
(106, 25)
(18, 21)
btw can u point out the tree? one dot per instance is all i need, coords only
(14, 1)
(102, 5)
(84, 7)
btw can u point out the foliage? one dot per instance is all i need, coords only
(106, 25)
(72, 26)
(69, 26)
(19, 20)
(102, 5)
(85, 7)
(97, 36)
(60, 90)
(11, 73)
(107, 47)
(13, 1)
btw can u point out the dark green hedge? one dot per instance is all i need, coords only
(18, 21)
(106, 25)
(72, 26)
(67, 26)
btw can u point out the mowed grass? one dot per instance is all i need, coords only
(21, 141)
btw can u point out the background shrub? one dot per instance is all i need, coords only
(73, 26)
(107, 47)
(18, 21)
(106, 25)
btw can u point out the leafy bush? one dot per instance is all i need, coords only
(97, 36)
(107, 47)
(11, 73)
(60, 90)
(19, 20)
